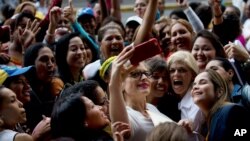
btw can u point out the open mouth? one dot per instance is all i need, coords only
(115, 50)
(178, 82)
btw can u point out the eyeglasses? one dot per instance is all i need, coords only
(139, 74)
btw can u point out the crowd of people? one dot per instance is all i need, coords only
(65, 74)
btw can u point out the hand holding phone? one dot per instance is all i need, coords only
(145, 50)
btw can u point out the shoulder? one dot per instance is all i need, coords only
(23, 137)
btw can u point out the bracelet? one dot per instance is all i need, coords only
(49, 34)
(218, 16)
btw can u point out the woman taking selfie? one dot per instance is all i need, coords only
(128, 91)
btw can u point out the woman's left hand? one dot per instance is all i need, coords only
(119, 65)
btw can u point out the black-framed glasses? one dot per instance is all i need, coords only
(138, 74)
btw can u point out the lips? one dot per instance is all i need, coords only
(161, 88)
(115, 49)
(143, 85)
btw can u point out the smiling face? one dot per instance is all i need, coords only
(140, 7)
(76, 56)
(112, 43)
(138, 82)
(203, 51)
(45, 64)
(102, 100)
(203, 91)
(11, 109)
(95, 118)
(159, 83)
(21, 87)
(181, 78)
(181, 38)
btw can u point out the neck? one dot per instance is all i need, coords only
(153, 100)
(76, 74)
(137, 104)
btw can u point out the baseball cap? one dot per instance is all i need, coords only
(85, 11)
(10, 71)
(134, 19)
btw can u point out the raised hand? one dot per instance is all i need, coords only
(182, 3)
(69, 12)
(42, 129)
(214, 3)
(55, 16)
(27, 36)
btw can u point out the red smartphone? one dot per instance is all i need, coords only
(145, 50)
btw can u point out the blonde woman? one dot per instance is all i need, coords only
(128, 91)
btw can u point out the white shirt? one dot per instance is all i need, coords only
(187, 107)
(141, 126)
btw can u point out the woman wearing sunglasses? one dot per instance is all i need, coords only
(128, 90)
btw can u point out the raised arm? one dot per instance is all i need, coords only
(115, 9)
(70, 14)
(147, 23)
(118, 112)
(217, 12)
(45, 22)
(104, 9)
(191, 15)
(54, 16)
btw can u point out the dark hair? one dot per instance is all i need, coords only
(32, 53)
(204, 12)
(156, 64)
(86, 88)
(18, 19)
(214, 40)
(227, 66)
(61, 52)
(232, 25)
(236, 10)
(194, 5)
(105, 26)
(67, 118)
(7, 11)
(95, 53)
(179, 13)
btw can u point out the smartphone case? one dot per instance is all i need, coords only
(145, 50)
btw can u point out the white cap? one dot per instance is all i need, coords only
(135, 19)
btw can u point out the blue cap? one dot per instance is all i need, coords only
(14, 70)
(86, 11)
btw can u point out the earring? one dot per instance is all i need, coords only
(86, 124)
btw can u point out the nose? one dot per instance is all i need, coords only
(20, 104)
(200, 52)
(114, 41)
(195, 87)
(101, 108)
(143, 76)
(27, 85)
(160, 80)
